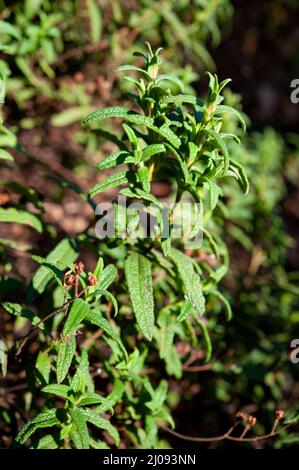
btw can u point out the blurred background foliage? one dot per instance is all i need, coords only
(57, 63)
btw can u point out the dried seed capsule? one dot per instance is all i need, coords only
(251, 420)
(91, 280)
(79, 267)
(279, 414)
(240, 415)
(68, 279)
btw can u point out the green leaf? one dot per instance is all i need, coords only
(206, 337)
(110, 182)
(45, 442)
(95, 20)
(190, 279)
(117, 158)
(107, 276)
(94, 418)
(56, 389)
(95, 317)
(65, 253)
(221, 144)
(158, 397)
(134, 118)
(95, 399)
(66, 351)
(186, 310)
(143, 176)
(4, 155)
(79, 421)
(7, 28)
(81, 379)
(70, 115)
(18, 311)
(3, 356)
(139, 279)
(43, 365)
(79, 310)
(228, 309)
(54, 270)
(214, 193)
(152, 150)
(222, 109)
(12, 215)
(45, 419)
(241, 176)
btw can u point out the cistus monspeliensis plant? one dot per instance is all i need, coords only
(117, 334)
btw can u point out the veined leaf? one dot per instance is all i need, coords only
(139, 279)
(18, 311)
(95, 317)
(54, 270)
(94, 418)
(81, 379)
(79, 310)
(107, 276)
(45, 419)
(43, 365)
(110, 182)
(143, 176)
(222, 146)
(65, 253)
(45, 442)
(151, 150)
(190, 279)
(117, 158)
(17, 216)
(57, 389)
(79, 421)
(66, 351)
(134, 118)
(95, 399)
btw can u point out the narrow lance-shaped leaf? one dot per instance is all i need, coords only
(66, 351)
(110, 182)
(139, 279)
(65, 253)
(134, 118)
(116, 158)
(222, 146)
(17, 216)
(57, 389)
(93, 418)
(206, 337)
(45, 419)
(95, 317)
(78, 312)
(79, 422)
(190, 279)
